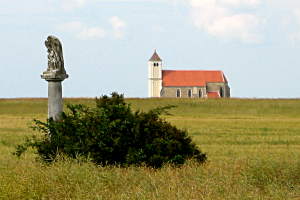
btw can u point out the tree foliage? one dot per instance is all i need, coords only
(112, 134)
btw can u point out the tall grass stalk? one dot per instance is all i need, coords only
(253, 148)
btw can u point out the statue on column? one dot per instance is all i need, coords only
(55, 70)
(54, 75)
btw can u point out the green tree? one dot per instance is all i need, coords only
(111, 133)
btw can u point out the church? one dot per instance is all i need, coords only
(185, 83)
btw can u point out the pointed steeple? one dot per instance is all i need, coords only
(155, 57)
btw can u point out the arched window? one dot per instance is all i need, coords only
(178, 93)
(162, 92)
(189, 93)
(221, 92)
(200, 93)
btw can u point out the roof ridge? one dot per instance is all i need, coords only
(191, 77)
(193, 70)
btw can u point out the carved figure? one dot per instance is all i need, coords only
(55, 68)
(55, 54)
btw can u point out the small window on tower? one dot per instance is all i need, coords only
(189, 93)
(178, 93)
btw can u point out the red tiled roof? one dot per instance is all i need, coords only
(191, 77)
(213, 95)
(155, 57)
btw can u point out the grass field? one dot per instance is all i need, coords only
(253, 147)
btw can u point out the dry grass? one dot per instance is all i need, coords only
(253, 148)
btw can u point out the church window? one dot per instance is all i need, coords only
(162, 93)
(178, 93)
(221, 92)
(200, 93)
(189, 93)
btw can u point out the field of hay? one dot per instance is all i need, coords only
(253, 148)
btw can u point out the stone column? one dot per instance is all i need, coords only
(54, 75)
(55, 101)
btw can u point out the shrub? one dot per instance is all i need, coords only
(111, 133)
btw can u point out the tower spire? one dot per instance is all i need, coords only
(155, 57)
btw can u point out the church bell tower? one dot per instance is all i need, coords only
(154, 75)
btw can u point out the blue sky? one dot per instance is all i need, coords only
(107, 44)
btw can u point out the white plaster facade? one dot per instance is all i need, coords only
(154, 76)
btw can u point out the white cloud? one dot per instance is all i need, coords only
(72, 26)
(241, 2)
(289, 13)
(241, 20)
(118, 26)
(91, 33)
(284, 4)
(218, 18)
(117, 23)
(72, 4)
(295, 22)
(82, 31)
(296, 15)
(240, 26)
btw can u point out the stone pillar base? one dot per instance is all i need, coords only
(55, 101)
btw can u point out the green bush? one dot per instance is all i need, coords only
(111, 133)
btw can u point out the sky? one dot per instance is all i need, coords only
(107, 43)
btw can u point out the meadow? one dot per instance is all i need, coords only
(253, 149)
